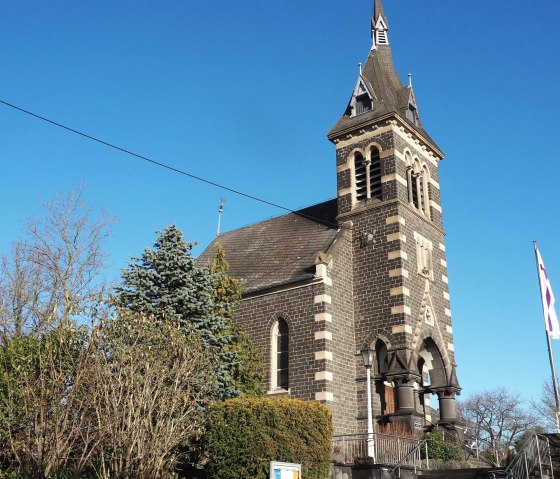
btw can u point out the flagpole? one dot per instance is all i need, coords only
(550, 357)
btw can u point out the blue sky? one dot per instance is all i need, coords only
(243, 93)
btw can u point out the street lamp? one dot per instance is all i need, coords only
(368, 355)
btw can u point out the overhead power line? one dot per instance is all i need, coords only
(169, 167)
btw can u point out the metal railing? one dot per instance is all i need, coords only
(388, 449)
(534, 460)
(417, 450)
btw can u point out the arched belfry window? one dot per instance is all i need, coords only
(360, 176)
(418, 183)
(425, 191)
(367, 175)
(417, 189)
(279, 361)
(375, 174)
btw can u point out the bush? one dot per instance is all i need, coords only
(245, 434)
(11, 475)
(439, 448)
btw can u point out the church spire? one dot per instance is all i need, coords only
(378, 8)
(379, 25)
(379, 92)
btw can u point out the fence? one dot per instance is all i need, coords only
(387, 449)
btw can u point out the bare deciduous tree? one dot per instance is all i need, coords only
(51, 277)
(496, 418)
(125, 399)
(20, 286)
(151, 388)
(45, 423)
(545, 408)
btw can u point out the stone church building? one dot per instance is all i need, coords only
(365, 270)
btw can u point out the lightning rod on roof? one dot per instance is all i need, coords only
(220, 211)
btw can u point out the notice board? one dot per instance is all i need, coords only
(284, 470)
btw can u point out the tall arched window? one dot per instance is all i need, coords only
(375, 174)
(279, 361)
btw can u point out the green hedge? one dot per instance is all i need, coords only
(439, 448)
(245, 434)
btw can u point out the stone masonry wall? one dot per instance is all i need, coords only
(297, 307)
(390, 293)
(344, 347)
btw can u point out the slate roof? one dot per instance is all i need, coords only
(280, 250)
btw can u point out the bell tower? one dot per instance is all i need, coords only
(389, 195)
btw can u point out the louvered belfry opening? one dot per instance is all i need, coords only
(375, 174)
(361, 179)
(368, 175)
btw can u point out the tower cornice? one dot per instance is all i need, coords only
(388, 119)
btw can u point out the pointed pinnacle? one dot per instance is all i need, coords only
(378, 8)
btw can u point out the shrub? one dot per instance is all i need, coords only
(439, 448)
(245, 434)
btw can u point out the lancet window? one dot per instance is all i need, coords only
(418, 181)
(279, 371)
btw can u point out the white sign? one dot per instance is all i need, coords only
(284, 470)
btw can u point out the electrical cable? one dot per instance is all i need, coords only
(172, 168)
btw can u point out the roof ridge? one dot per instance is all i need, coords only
(294, 212)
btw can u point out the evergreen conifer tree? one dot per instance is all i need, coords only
(246, 371)
(166, 281)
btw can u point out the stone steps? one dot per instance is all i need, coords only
(474, 473)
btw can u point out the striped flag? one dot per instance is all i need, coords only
(550, 318)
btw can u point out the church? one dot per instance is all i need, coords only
(353, 292)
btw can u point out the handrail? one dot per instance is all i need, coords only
(389, 448)
(527, 453)
(396, 436)
(416, 448)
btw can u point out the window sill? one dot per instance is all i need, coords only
(279, 392)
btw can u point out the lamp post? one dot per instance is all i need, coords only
(368, 356)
